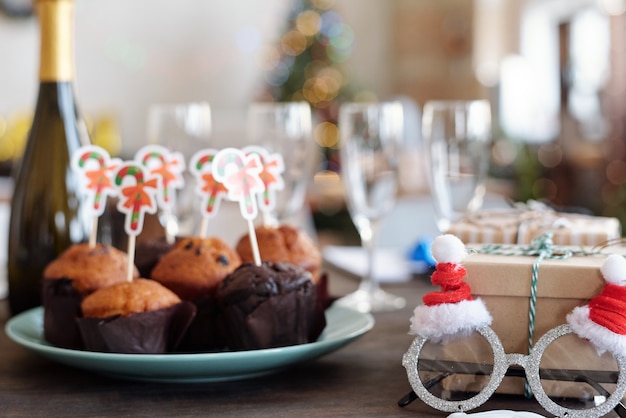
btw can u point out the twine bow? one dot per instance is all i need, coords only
(542, 247)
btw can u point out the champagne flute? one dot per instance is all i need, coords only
(184, 128)
(285, 128)
(370, 138)
(457, 135)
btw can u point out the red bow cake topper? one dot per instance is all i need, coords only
(452, 311)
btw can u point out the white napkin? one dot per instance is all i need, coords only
(390, 265)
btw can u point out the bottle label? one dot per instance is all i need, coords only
(57, 42)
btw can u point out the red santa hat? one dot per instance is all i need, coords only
(449, 252)
(603, 320)
(452, 311)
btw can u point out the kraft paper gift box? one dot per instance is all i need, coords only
(503, 282)
(520, 226)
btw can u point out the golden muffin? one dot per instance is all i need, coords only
(140, 316)
(126, 298)
(77, 272)
(196, 266)
(90, 268)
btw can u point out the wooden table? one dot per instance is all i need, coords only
(362, 379)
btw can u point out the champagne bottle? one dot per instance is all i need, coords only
(47, 213)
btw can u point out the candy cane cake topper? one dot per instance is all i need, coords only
(240, 174)
(137, 195)
(167, 167)
(95, 167)
(207, 188)
(271, 175)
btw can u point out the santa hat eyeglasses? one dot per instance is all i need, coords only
(452, 311)
(603, 320)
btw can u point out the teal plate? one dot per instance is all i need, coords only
(343, 326)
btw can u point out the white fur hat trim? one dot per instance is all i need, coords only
(440, 323)
(602, 338)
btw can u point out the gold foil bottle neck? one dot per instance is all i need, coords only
(56, 23)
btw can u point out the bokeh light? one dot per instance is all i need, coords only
(323, 4)
(342, 44)
(308, 23)
(504, 153)
(331, 24)
(616, 172)
(315, 90)
(278, 76)
(293, 43)
(550, 155)
(323, 83)
(326, 134)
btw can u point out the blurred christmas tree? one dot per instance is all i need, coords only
(308, 64)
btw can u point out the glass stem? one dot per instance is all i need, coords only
(368, 241)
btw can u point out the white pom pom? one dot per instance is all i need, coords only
(614, 269)
(448, 249)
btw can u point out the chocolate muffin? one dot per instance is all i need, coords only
(77, 272)
(138, 316)
(271, 305)
(284, 243)
(193, 270)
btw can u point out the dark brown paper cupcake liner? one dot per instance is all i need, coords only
(148, 253)
(204, 333)
(322, 302)
(61, 304)
(154, 332)
(277, 321)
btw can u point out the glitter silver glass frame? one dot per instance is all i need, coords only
(502, 362)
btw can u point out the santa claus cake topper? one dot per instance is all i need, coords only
(452, 311)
